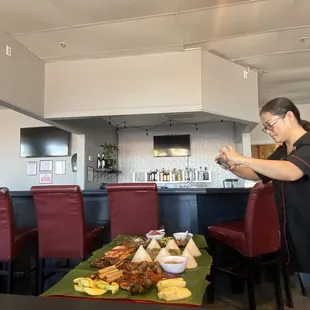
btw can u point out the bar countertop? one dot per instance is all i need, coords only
(180, 209)
(161, 191)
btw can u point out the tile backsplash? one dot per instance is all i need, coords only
(136, 150)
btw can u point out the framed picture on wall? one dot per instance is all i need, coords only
(31, 168)
(60, 167)
(46, 165)
(46, 178)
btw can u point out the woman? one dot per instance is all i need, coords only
(289, 169)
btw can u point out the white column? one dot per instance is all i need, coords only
(80, 174)
(246, 145)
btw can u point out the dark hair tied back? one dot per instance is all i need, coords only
(280, 106)
(305, 125)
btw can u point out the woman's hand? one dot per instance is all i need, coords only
(231, 155)
(231, 164)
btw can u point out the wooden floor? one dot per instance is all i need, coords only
(264, 297)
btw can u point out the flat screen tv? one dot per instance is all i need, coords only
(44, 142)
(172, 146)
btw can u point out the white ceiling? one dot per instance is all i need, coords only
(262, 34)
(149, 120)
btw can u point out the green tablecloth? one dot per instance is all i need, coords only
(195, 279)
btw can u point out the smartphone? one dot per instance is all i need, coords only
(223, 163)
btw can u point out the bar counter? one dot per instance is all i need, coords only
(181, 209)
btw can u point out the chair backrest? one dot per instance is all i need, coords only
(133, 208)
(7, 228)
(262, 229)
(61, 221)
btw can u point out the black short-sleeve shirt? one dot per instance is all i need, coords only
(293, 200)
(301, 158)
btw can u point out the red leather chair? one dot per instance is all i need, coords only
(133, 208)
(63, 233)
(12, 241)
(259, 234)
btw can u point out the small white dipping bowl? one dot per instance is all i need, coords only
(182, 235)
(173, 264)
(156, 237)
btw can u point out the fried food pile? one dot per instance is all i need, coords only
(133, 265)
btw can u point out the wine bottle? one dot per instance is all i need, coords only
(102, 161)
(99, 162)
(206, 174)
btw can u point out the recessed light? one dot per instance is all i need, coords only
(303, 39)
(63, 44)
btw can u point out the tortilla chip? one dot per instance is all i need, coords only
(141, 256)
(171, 245)
(162, 253)
(192, 248)
(153, 245)
(191, 264)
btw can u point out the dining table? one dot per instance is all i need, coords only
(195, 279)
(17, 302)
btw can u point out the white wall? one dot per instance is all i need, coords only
(136, 150)
(13, 168)
(159, 83)
(259, 137)
(226, 92)
(94, 138)
(96, 132)
(304, 110)
(21, 77)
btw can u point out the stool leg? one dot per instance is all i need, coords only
(211, 286)
(250, 279)
(277, 285)
(40, 276)
(10, 276)
(258, 276)
(303, 290)
(214, 249)
(287, 287)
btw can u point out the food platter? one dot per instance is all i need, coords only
(127, 269)
(135, 265)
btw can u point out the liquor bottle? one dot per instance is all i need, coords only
(99, 162)
(180, 175)
(190, 174)
(186, 174)
(102, 161)
(206, 174)
(161, 176)
(200, 174)
(173, 175)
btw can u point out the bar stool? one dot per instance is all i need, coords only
(13, 241)
(258, 235)
(133, 208)
(63, 233)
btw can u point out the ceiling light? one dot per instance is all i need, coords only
(63, 44)
(303, 39)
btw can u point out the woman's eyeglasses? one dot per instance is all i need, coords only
(269, 126)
